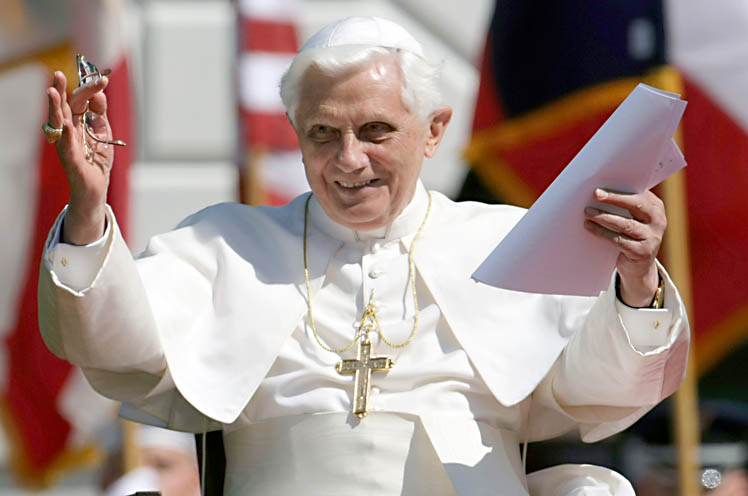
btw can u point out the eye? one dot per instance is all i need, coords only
(375, 131)
(322, 133)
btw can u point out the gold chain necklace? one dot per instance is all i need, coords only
(369, 313)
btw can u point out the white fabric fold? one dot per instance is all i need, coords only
(335, 454)
(578, 480)
(189, 334)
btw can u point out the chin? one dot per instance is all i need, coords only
(364, 222)
(362, 216)
(359, 224)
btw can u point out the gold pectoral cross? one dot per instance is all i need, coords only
(362, 367)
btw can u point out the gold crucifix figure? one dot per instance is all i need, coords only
(362, 367)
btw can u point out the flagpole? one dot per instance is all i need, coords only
(686, 428)
(131, 458)
(253, 193)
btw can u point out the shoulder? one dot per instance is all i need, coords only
(234, 224)
(471, 216)
(232, 213)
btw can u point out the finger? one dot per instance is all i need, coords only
(640, 205)
(60, 84)
(633, 250)
(98, 103)
(82, 94)
(54, 116)
(631, 228)
(616, 238)
(69, 139)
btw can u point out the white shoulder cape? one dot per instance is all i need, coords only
(226, 289)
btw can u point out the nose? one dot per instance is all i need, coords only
(351, 155)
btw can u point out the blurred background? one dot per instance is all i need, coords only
(194, 93)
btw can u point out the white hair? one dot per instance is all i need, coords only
(420, 93)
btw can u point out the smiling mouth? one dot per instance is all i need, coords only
(356, 184)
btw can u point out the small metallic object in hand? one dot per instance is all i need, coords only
(53, 134)
(711, 478)
(89, 72)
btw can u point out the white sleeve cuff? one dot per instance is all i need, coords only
(648, 329)
(76, 266)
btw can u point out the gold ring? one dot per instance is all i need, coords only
(52, 133)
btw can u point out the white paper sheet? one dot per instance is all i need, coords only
(549, 251)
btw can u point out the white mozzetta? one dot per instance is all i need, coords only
(209, 329)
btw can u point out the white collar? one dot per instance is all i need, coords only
(405, 224)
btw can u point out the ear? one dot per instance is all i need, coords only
(437, 127)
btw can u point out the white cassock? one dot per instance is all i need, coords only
(209, 329)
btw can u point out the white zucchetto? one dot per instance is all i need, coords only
(364, 31)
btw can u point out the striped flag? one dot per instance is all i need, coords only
(48, 410)
(552, 73)
(273, 172)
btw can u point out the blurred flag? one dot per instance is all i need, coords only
(273, 171)
(552, 72)
(48, 410)
(709, 47)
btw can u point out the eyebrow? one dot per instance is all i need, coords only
(386, 122)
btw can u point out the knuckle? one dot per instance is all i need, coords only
(663, 222)
(643, 251)
(633, 249)
(637, 257)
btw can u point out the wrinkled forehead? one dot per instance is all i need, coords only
(378, 68)
(358, 86)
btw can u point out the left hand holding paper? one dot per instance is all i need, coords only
(637, 238)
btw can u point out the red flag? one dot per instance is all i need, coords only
(48, 409)
(268, 43)
(549, 82)
(708, 48)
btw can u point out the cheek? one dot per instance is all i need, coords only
(405, 159)
(313, 166)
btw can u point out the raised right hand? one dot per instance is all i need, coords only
(88, 178)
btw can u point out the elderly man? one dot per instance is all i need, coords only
(339, 342)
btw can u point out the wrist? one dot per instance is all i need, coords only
(640, 292)
(83, 226)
